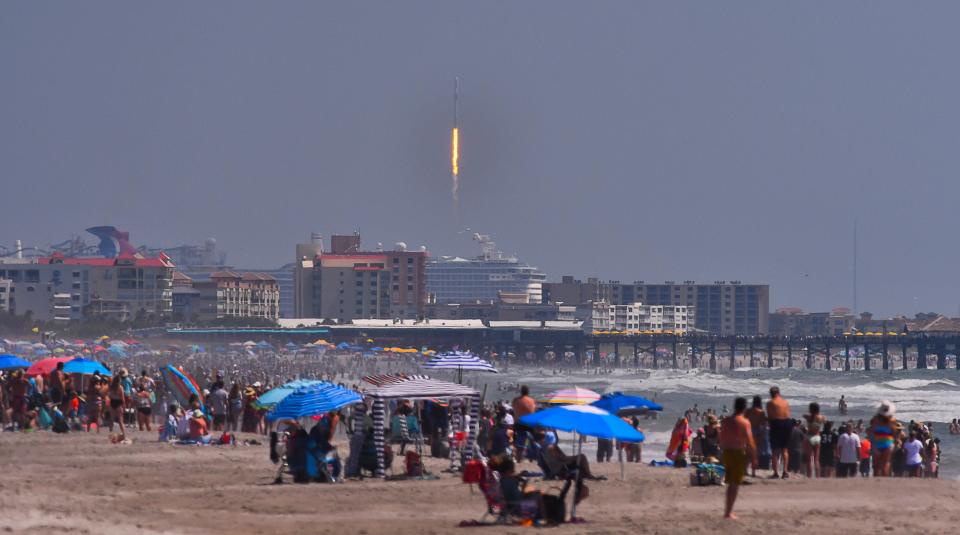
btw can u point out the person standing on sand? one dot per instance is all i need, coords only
(811, 447)
(848, 450)
(758, 425)
(736, 441)
(781, 425)
(882, 427)
(522, 405)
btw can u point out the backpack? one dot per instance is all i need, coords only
(554, 509)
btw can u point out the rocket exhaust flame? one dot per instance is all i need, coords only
(455, 145)
(455, 163)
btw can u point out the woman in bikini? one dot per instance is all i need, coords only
(117, 403)
(94, 403)
(811, 446)
(881, 431)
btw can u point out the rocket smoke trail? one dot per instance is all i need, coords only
(455, 144)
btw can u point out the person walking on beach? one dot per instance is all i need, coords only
(736, 441)
(781, 425)
(522, 405)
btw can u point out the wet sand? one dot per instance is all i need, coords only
(81, 483)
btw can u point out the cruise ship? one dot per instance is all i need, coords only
(485, 278)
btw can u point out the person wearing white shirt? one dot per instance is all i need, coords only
(848, 448)
(912, 447)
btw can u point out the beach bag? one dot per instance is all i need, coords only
(413, 464)
(43, 419)
(705, 476)
(473, 471)
(554, 509)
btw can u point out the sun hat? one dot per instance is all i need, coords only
(887, 409)
(198, 413)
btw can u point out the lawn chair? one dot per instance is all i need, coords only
(488, 480)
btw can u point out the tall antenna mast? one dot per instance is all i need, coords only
(855, 310)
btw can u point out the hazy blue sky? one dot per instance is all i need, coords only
(625, 140)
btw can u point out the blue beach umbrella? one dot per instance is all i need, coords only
(624, 405)
(85, 367)
(585, 420)
(313, 400)
(278, 394)
(12, 362)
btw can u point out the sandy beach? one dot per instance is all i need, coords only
(81, 483)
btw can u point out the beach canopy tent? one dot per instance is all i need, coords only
(85, 367)
(381, 379)
(319, 398)
(570, 396)
(45, 366)
(181, 385)
(625, 405)
(12, 362)
(412, 389)
(276, 395)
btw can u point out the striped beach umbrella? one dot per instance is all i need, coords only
(571, 396)
(181, 385)
(459, 361)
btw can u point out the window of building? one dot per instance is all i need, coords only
(409, 287)
(409, 259)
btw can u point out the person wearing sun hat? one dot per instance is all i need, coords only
(882, 429)
(198, 426)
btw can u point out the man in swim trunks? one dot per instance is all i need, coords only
(781, 426)
(522, 405)
(739, 450)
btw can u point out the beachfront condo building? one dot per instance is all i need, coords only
(726, 308)
(347, 283)
(38, 288)
(636, 317)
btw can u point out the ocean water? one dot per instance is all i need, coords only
(922, 395)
